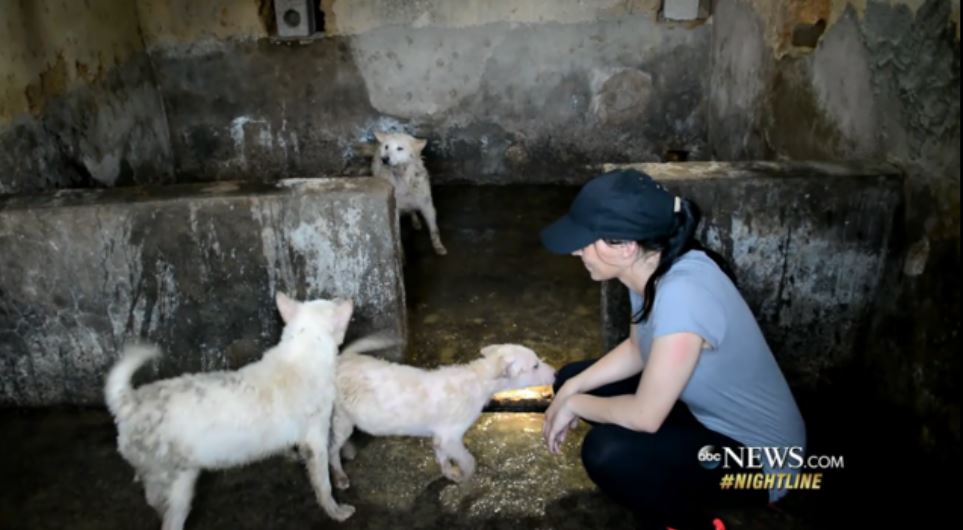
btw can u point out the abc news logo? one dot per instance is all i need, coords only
(754, 457)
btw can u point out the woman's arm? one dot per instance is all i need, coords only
(671, 363)
(621, 362)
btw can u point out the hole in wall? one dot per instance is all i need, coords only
(807, 35)
(676, 155)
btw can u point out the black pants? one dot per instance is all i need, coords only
(658, 475)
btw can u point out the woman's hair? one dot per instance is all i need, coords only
(673, 245)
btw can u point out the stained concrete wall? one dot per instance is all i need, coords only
(843, 80)
(503, 91)
(78, 103)
(192, 267)
(809, 243)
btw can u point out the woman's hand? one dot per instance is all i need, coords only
(568, 389)
(556, 428)
(559, 418)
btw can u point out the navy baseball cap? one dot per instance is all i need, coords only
(625, 205)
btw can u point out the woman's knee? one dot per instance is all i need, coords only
(609, 451)
(618, 462)
(595, 451)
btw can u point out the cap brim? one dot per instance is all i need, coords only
(566, 236)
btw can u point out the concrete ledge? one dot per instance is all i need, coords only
(193, 267)
(809, 243)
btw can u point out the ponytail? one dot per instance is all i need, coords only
(672, 247)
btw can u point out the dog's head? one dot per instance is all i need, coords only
(519, 366)
(396, 149)
(329, 316)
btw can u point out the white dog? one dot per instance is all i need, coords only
(398, 160)
(383, 398)
(170, 430)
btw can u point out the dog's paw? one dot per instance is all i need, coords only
(342, 512)
(341, 481)
(440, 249)
(453, 473)
(464, 475)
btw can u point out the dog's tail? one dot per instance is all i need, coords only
(373, 342)
(118, 391)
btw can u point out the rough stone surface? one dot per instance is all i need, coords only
(809, 243)
(193, 267)
(110, 133)
(79, 106)
(881, 83)
(498, 102)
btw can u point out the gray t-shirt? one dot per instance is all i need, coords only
(737, 388)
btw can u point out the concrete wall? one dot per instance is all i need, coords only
(78, 101)
(193, 267)
(872, 80)
(504, 91)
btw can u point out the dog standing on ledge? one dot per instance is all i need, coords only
(398, 160)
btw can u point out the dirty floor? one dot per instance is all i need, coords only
(59, 467)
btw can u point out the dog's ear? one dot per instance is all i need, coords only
(506, 364)
(508, 367)
(490, 350)
(380, 136)
(419, 144)
(343, 313)
(286, 306)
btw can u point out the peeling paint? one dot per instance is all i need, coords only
(78, 101)
(781, 17)
(111, 133)
(841, 79)
(178, 22)
(53, 46)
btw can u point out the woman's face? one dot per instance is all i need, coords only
(605, 261)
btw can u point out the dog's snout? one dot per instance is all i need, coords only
(385, 160)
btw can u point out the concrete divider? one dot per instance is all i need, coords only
(192, 267)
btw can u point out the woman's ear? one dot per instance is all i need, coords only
(628, 249)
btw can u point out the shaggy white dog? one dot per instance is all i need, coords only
(172, 429)
(383, 398)
(398, 160)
